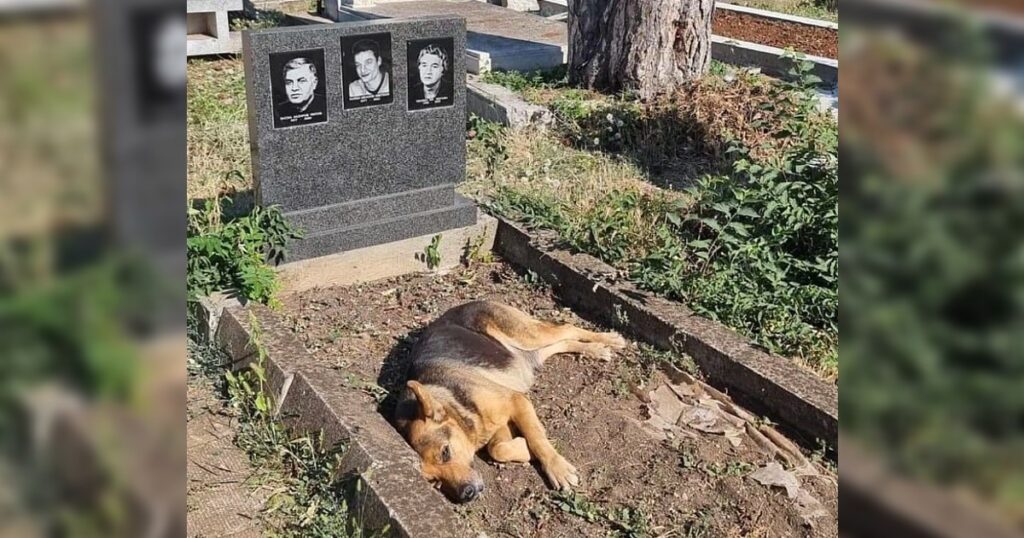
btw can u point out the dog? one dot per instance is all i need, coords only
(469, 376)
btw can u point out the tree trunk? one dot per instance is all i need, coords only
(645, 46)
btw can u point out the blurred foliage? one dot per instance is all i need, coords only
(933, 267)
(78, 330)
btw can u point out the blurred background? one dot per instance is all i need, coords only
(932, 257)
(92, 306)
(92, 303)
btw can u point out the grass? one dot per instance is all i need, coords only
(218, 136)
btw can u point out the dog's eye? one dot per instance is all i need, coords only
(446, 454)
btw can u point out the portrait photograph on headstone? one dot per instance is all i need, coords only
(431, 77)
(157, 50)
(298, 83)
(367, 70)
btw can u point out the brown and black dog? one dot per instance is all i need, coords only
(470, 373)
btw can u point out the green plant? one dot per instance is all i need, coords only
(520, 81)
(688, 460)
(234, 254)
(623, 521)
(475, 251)
(755, 248)
(491, 136)
(309, 498)
(699, 525)
(252, 18)
(432, 253)
(78, 329)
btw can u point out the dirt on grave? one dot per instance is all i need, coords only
(776, 33)
(640, 475)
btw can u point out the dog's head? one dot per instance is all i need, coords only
(446, 451)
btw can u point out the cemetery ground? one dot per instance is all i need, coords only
(646, 189)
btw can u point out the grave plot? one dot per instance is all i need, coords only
(775, 31)
(655, 452)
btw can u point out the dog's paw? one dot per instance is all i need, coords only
(561, 474)
(613, 339)
(597, 351)
(511, 451)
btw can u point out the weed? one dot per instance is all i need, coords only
(624, 521)
(233, 255)
(431, 254)
(308, 499)
(688, 460)
(476, 252)
(490, 136)
(252, 18)
(655, 357)
(519, 81)
(821, 457)
(699, 526)
(533, 279)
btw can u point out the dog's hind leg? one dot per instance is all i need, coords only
(507, 449)
(514, 328)
(590, 349)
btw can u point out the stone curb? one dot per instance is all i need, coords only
(771, 60)
(876, 501)
(788, 394)
(501, 105)
(312, 398)
(775, 15)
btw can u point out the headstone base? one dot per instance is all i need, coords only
(461, 213)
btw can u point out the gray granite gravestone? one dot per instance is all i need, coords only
(357, 130)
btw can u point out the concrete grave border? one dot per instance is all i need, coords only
(771, 60)
(796, 398)
(775, 15)
(499, 104)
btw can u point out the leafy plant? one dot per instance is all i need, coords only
(756, 247)
(519, 81)
(624, 521)
(491, 136)
(432, 253)
(234, 254)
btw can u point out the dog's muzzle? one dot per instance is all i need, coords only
(470, 491)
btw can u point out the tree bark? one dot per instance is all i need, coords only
(645, 46)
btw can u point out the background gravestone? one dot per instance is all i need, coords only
(350, 167)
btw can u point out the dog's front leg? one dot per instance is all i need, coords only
(561, 474)
(507, 449)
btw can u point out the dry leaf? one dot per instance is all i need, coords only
(773, 474)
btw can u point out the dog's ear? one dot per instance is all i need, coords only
(429, 408)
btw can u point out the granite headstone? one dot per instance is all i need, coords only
(357, 130)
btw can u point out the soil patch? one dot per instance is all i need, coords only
(782, 34)
(219, 501)
(632, 482)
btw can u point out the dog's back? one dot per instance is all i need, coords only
(460, 344)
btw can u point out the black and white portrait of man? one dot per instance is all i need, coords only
(299, 86)
(431, 78)
(367, 69)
